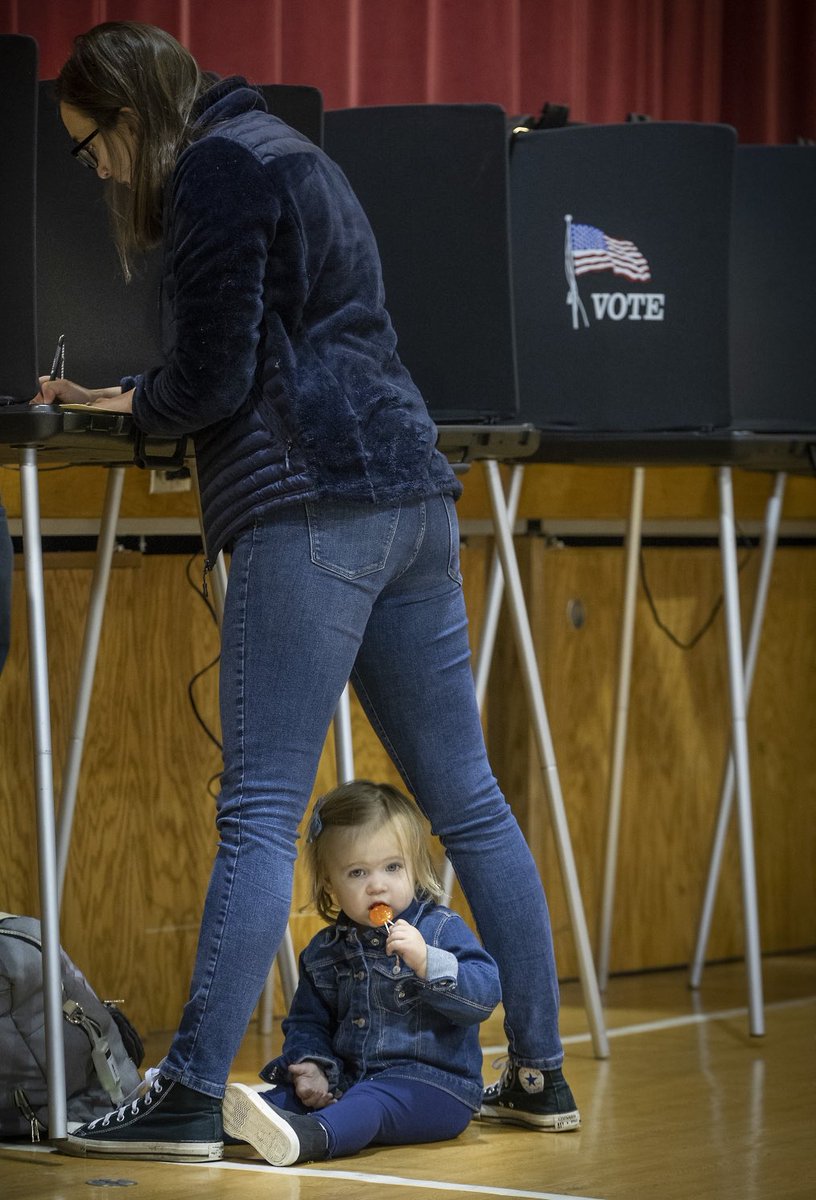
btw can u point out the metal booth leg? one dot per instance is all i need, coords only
(105, 546)
(633, 543)
(343, 745)
(44, 785)
(739, 749)
(538, 714)
(770, 536)
(487, 637)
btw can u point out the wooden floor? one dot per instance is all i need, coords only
(688, 1105)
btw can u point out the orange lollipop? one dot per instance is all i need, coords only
(381, 914)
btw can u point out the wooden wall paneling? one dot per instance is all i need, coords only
(578, 700)
(550, 492)
(783, 754)
(678, 731)
(145, 834)
(170, 764)
(18, 878)
(553, 492)
(679, 726)
(107, 899)
(78, 492)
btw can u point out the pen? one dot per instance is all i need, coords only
(59, 357)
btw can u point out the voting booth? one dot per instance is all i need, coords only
(18, 131)
(433, 181)
(620, 276)
(773, 267)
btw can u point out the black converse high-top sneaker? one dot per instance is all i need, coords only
(529, 1096)
(169, 1121)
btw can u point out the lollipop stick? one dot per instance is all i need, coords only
(388, 926)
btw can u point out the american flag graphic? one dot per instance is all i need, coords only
(592, 250)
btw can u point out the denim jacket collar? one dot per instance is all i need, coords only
(344, 924)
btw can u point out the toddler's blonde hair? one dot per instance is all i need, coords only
(366, 806)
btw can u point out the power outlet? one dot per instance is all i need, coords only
(169, 481)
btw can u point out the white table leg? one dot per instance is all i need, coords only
(487, 637)
(87, 667)
(44, 784)
(633, 543)
(770, 536)
(739, 744)
(541, 728)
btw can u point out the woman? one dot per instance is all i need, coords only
(319, 473)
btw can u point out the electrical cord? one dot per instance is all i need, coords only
(194, 705)
(712, 616)
(204, 670)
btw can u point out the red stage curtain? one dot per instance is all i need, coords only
(746, 62)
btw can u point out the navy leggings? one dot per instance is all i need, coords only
(388, 1112)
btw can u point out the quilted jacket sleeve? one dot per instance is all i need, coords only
(220, 228)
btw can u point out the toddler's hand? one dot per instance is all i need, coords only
(410, 945)
(311, 1085)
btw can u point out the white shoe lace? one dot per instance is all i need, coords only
(144, 1091)
(502, 1061)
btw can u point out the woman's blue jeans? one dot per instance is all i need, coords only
(318, 594)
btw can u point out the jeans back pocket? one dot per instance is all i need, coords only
(351, 540)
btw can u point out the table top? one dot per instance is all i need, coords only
(95, 437)
(792, 452)
(81, 437)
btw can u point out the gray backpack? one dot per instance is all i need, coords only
(99, 1071)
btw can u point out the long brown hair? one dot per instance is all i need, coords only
(128, 65)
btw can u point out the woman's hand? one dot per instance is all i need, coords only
(63, 391)
(311, 1085)
(407, 942)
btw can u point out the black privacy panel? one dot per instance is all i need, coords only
(620, 237)
(18, 135)
(299, 106)
(111, 328)
(773, 296)
(433, 182)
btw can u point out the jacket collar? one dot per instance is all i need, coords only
(344, 925)
(226, 98)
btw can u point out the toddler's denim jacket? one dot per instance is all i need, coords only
(358, 1013)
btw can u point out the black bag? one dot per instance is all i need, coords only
(102, 1049)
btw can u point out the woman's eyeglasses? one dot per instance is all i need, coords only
(83, 153)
